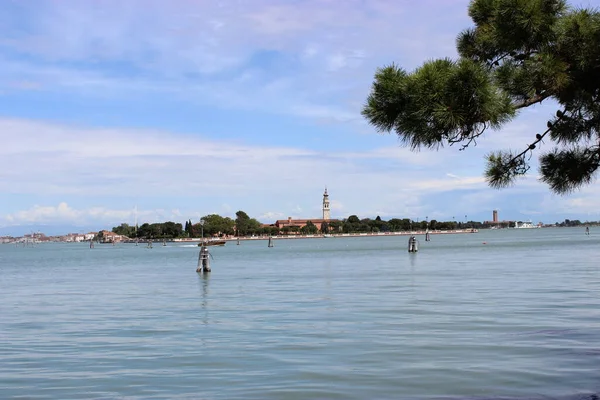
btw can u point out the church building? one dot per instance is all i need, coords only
(318, 222)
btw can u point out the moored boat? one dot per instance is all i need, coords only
(212, 243)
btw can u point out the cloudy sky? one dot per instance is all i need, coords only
(185, 108)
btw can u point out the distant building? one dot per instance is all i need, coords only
(6, 239)
(495, 222)
(282, 223)
(326, 210)
(111, 237)
(75, 237)
(299, 223)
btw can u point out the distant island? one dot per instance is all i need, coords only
(216, 226)
(243, 226)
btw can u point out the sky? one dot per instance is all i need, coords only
(181, 108)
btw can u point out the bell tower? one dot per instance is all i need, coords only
(326, 211)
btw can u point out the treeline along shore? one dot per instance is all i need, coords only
(337, 235)
(245, 227)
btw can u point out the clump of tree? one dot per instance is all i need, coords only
(353, 224)
(519, 53)
(569, 223)
(188, 229)
(123, 229)
(214, 225)
(309, 229)
(245, 225)
(160, 230)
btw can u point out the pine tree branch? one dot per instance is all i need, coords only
(469, 136)
(532, 145)
(538, 138)
(538, 98)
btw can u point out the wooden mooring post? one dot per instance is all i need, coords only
(203, 260)
(413, 245)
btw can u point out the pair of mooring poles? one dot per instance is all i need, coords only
(413, 245)
(204, 257)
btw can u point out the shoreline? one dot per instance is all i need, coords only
(331, 236)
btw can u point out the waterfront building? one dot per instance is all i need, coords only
(318, 222)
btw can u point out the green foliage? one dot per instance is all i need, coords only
(396, 224)
(216, 225)
(441, 102)
(518, 54)
(353, 219)
(568, 222)
(125, 230)
(335, 226)
(188, 229)
(254, 227)
(309, 228)
(162, 230)
(242, 221)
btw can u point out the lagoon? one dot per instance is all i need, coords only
(334, 318)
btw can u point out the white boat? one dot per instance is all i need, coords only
(525, 225)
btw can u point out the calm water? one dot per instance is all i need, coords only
(336, 318)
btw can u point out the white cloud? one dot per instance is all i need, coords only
(210, 52)
(63, 213)
(50, 160)
(98, 217)
(582, 202)
(271, 216)
(185, 176)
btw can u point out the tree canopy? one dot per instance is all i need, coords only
(215, 224)
(167, 229)
(519, 54)
(245, 225)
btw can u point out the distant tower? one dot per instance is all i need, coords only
(495, 216)
(326, 211)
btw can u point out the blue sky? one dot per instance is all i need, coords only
(186, 108)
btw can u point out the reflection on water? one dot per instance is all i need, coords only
(203, 281)
(357, 318)
(413, 260)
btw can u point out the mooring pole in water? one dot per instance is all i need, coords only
(199, 266)
(203, 260)
(270, 241)
(413, 246)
